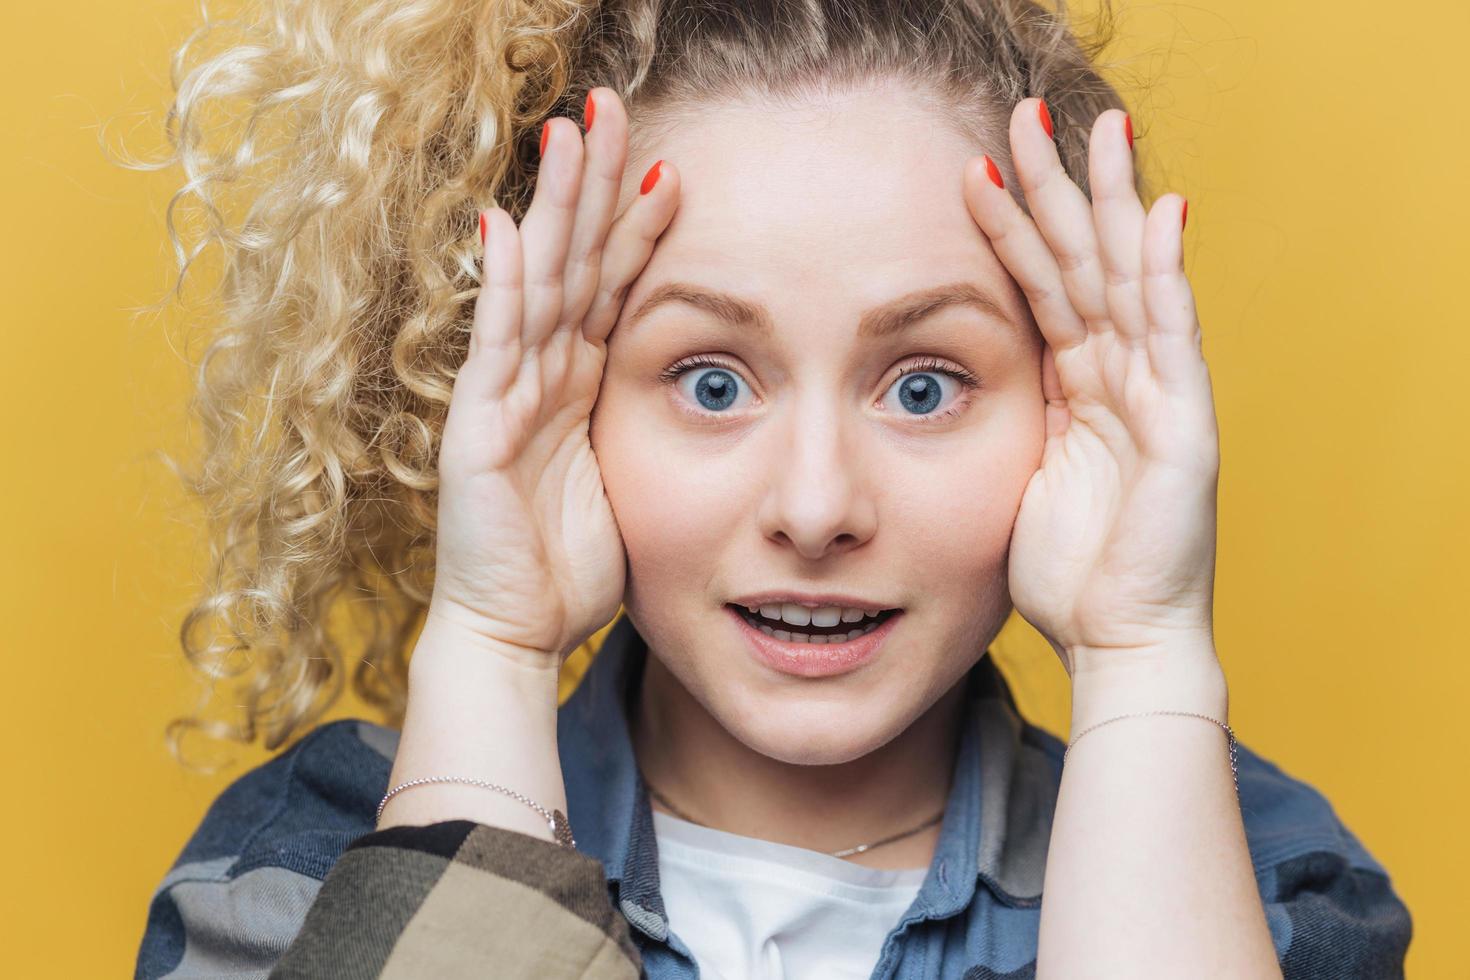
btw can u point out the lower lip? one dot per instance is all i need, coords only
(813, 659)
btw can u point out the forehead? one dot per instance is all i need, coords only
(858, 196)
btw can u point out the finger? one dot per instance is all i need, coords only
(606, 142)
(1060, 210)
(1058, 415)
(1118, 219)
(1024, 253)
(546, 230)
(495, 333)
(1174, 343)
(629, 245)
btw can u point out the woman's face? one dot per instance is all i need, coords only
(801, 463)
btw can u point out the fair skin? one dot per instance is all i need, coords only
(1078, 485)
(816, 477)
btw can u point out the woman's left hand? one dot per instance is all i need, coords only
(1113, 550)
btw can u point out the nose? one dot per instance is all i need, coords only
(819, 500)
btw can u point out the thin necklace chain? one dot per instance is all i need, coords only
(842, 853)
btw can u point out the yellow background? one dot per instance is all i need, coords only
(1321, 147)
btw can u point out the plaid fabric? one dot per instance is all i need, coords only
(441, 900)
(287, 877)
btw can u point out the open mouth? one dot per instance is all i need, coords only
(791, 633)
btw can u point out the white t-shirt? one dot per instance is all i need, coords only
(750, 908)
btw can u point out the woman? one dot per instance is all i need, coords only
(811, 353)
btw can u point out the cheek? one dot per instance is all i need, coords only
(958, 514)
(674, 507)
(681, 501)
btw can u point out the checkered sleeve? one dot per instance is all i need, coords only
(461, 899)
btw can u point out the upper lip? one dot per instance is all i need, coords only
(813, 600)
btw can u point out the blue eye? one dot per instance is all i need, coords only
(920, 390)
(714, 390)
(920, 393)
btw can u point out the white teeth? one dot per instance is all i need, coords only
(827, 616)
(788, 637)
(799, 615)
(796, 615)
(823, 617)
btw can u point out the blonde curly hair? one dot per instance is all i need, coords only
(362, 137)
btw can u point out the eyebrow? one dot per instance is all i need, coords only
(879, 322)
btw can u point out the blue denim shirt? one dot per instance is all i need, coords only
(240, 888)
(981, 900)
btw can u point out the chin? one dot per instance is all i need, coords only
(804, 728)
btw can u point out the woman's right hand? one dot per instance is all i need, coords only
(528, 554)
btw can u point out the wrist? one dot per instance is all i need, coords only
(474, 712)
(469, 628)
(1180, 675)
(446, 654)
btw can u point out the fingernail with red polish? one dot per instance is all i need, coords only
(588, 112)
(993, 171)
(483, 229)
(1045, 116)
(650, 178)
(545, 131)
(1128, 129)
(1184, 216)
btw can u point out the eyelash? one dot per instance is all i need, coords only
(679, 368)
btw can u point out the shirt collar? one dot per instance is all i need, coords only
(997, 819)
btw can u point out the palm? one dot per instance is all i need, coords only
(547, 546)
(1119, 518)
(1114, 542)
(528, 551)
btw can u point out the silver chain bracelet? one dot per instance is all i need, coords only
(561, 830)
(1234, 774)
